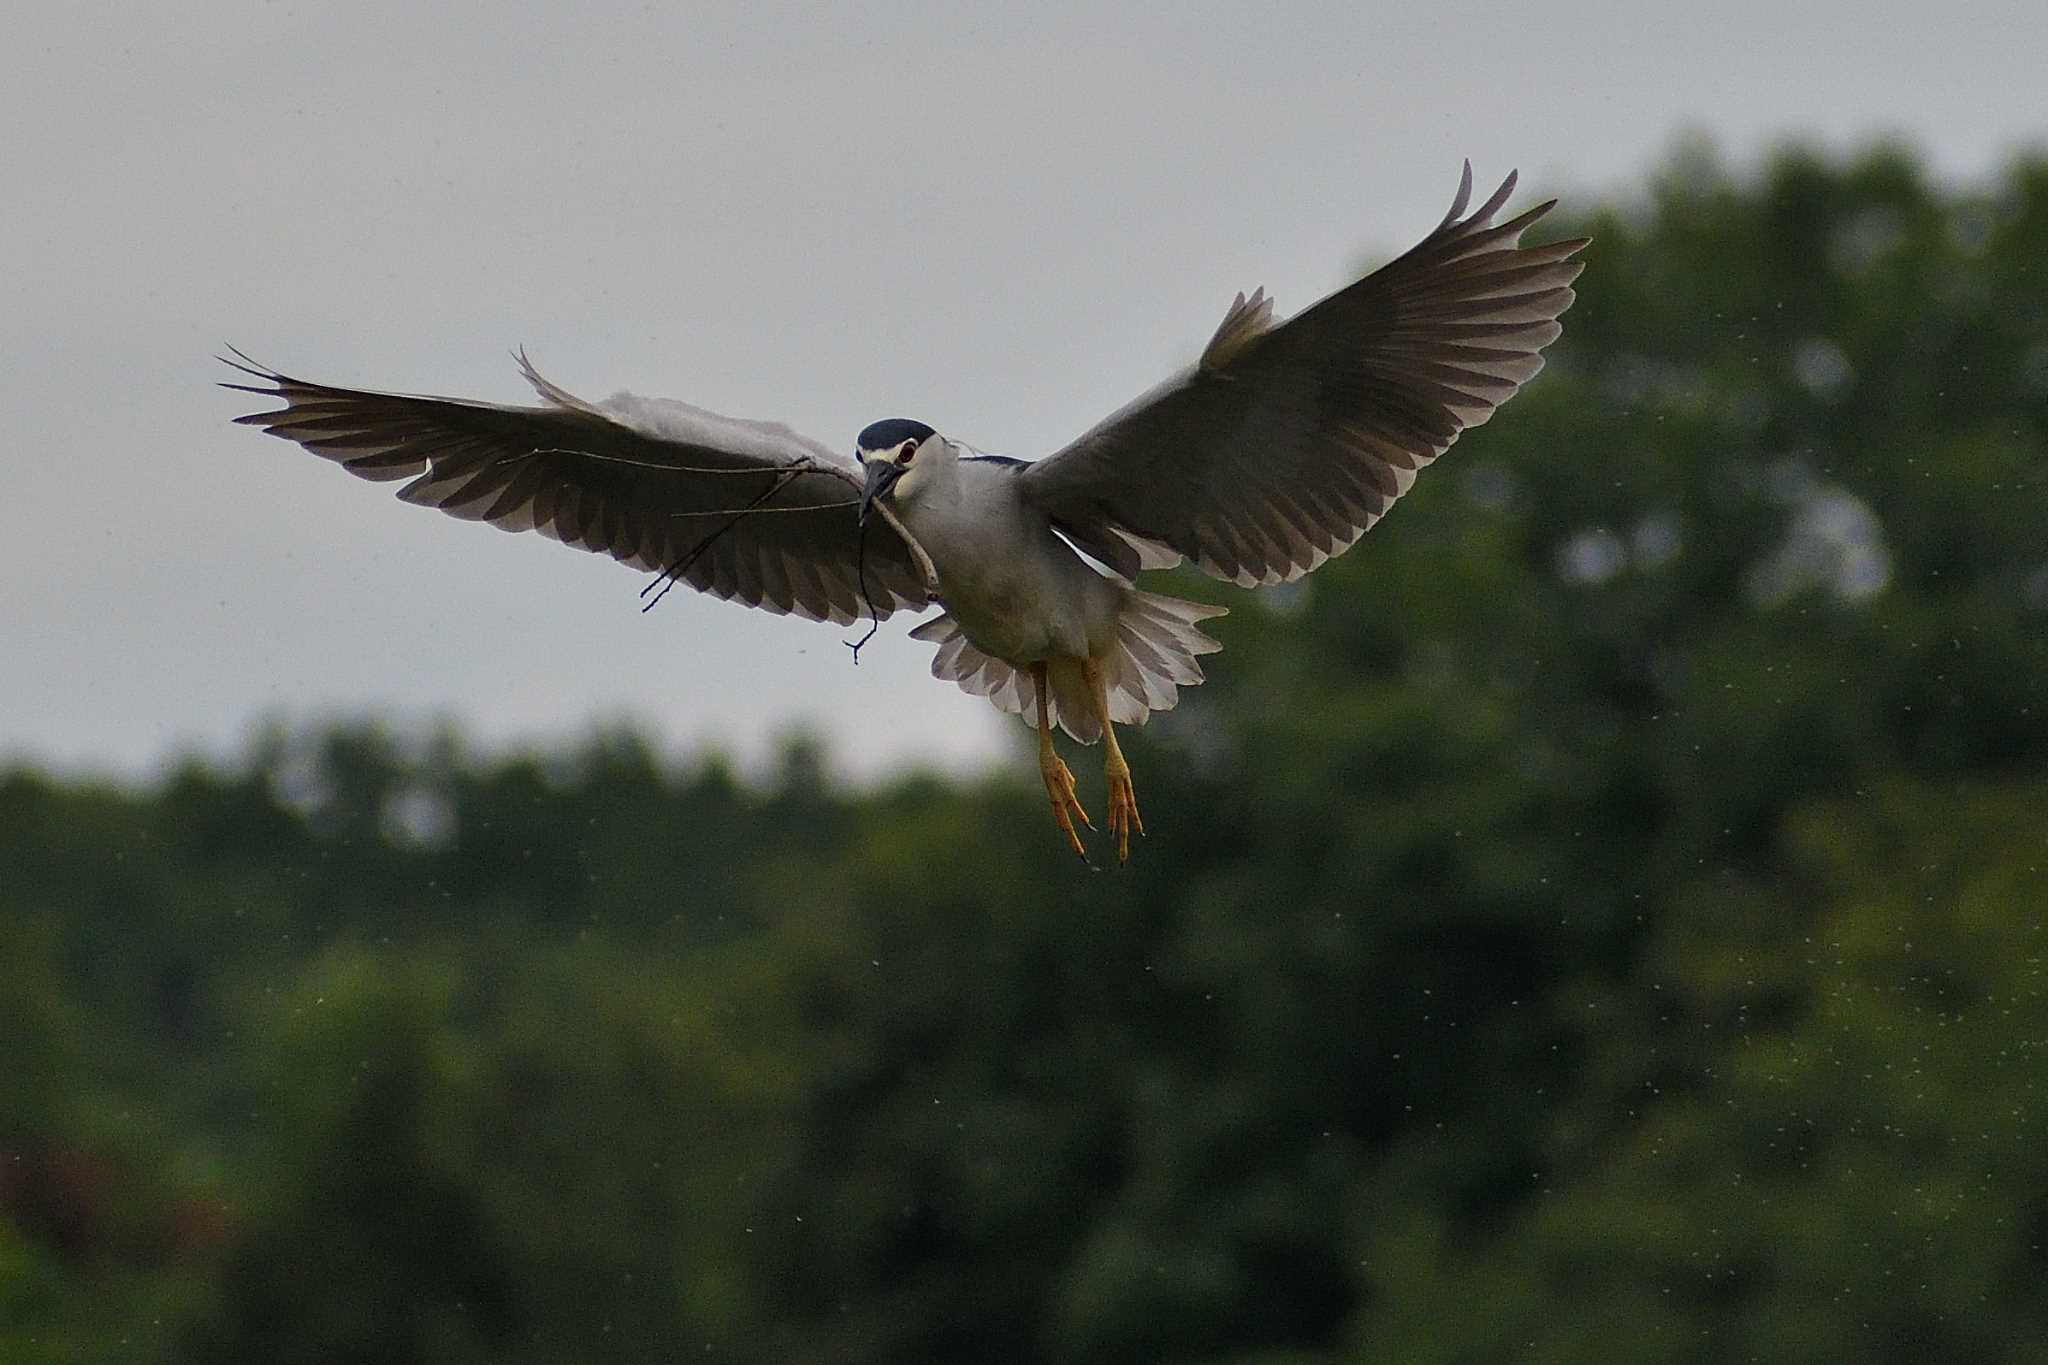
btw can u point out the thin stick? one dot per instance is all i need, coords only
(658, 466)
(674, 574)
(763, 511)
(867, 600)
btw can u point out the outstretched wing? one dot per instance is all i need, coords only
(747, 511)
(1283, 445)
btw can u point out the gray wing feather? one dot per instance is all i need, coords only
(1283, 445)
(643, 480)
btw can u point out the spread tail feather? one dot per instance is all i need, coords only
(1158, 639)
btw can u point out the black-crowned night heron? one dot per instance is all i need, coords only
(1277, 449)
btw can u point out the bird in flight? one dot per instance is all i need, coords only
(1275, 451)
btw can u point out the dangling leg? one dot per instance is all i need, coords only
(1123, 802)
(1059, 783)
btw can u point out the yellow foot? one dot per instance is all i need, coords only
(1059, 785)
(1123, 809)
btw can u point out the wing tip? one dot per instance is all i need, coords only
(1247, 319)
(1481, 216)
(1484, 213)
(249, 365)
(548, 389)
(1461, 198)
(274, 386)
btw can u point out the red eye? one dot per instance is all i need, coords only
(909, 449)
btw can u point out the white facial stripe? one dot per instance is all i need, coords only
(910, 476)
(895, 452)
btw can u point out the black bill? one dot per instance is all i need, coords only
(882, 476)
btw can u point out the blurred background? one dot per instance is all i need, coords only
(1603, 913)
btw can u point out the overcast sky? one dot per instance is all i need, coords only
(1005, 225)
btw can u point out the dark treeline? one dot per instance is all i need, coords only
(1600, 917)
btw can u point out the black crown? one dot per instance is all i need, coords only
(892, 432)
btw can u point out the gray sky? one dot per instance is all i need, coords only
(1006, 225)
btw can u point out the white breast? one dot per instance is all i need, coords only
(1019, 592)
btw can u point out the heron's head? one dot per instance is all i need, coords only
(888, 452)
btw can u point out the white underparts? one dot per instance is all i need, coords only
(1157, 641)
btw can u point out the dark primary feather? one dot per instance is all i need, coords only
(642, 480)
(1283, 445)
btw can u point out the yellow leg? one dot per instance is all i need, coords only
(1123, 801)
(1059, 782)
